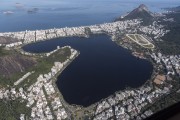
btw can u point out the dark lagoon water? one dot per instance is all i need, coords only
(101, 69)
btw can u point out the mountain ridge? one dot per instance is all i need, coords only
(141, 12)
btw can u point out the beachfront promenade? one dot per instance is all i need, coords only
(28, 36)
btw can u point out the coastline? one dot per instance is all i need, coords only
(73, 107)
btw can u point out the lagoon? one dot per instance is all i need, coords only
(101, 69)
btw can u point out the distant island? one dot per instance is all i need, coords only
(32, 10)
(8, 12)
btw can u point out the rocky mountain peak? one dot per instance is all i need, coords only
(142, 7)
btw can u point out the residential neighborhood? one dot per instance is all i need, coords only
(41, 96)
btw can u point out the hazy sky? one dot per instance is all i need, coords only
(11, 4)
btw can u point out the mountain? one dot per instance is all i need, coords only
(13, 64)
(142, 12)
(7, 40)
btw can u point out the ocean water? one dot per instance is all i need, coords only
(62, 13)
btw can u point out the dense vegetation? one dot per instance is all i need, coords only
(11, 109)
(13, 66)
(171, 41)
(3, 52)
(44, 65)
